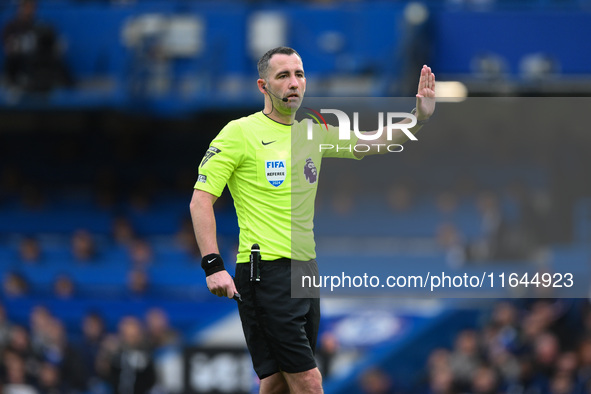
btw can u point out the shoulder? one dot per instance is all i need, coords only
(232, 131)
(251, 120)
(241, 124)
(233, 139)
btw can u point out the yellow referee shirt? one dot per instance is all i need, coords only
(272, 171)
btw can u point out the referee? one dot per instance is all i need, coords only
(272, 173)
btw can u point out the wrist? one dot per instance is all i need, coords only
(212, 263)
(420, 122)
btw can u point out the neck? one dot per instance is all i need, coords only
(272, 113)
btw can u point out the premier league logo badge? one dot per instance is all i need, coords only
(310, 171)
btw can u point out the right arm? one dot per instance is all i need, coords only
(219, 283)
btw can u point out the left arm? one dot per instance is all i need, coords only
(425, 107)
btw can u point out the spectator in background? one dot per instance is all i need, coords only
(160, 334)
(447, 205)
(327, 350)
(565, 373)
(501, 341)
(164, 343)
(450, 240)
(492, 227)
(16, 379)
(399, 198)
(584, 369)
(19, 41)
(485, 381)
(140, 254)
(20, 345)
(185, 239)
(83, 247)
(59, 352)
(93, 334)
(546, 351)
(438, 360)
(376, 381)
(534, 210)
(131, 365)
(15, 285)
(40, 320)
(50, 380)
(122, 231)
(56, 350)
(543, 317)
(501, 240)
(29, 251)
(567, 363)
(5, 327)
(137, 284)
(63, 287)
(33, 57)
(107, 350)
(525, 381)
(441, 381)
(562, 384)
(465, 358)
(439, 373)
(505, 364)
(505, 327)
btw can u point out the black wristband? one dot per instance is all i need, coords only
(212, 263)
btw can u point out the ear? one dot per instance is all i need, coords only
(262, 84)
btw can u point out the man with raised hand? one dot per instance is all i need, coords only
(274, 190)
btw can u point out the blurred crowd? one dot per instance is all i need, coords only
(43, 358)
(83, 249)
(469, 225)
(533, 347)
(522, 347)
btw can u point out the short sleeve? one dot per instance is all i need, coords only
(224, 155)
(339, 148)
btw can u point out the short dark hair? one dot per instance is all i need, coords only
(263, 64)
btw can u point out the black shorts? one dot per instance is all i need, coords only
(280, 331)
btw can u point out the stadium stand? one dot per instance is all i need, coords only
(95, 182)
